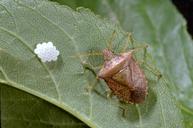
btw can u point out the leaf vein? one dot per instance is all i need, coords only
(25, 44)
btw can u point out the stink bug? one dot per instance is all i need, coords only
(124, 77)
(122, 73)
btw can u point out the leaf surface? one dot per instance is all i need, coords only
(160, 25)
(20, 109)
(25, 23)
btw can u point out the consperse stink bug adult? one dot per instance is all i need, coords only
(123, 75)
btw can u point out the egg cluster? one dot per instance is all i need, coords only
(46, 52)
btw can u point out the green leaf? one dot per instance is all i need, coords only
(25, 23)
(20, 109)
(159, 24)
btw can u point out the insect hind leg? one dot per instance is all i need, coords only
(92, 69)
(92, 86)
(152, 70)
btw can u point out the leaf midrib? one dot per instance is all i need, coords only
(50, 100)
(45, 122)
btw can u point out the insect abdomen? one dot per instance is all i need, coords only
(121, 91)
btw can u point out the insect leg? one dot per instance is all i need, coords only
(91, 68)
(124, 112)
(109, 94)
(154, 71)
(130, 40)
(85, 64)
(141, 47)
(147, 66)
(151, 69)
(91, 87)
(124, 108)
(129, 43)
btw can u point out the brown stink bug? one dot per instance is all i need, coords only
(124, 76)
(122, 73)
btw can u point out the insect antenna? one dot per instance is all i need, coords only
(109, 43)
(142, 47)
(128, 41)
(86, 54)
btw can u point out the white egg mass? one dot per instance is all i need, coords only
(47, 52)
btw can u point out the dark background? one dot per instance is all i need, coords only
(186, 8)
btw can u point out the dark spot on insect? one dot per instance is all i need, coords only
(124, 76)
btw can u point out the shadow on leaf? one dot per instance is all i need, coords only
(133, 112)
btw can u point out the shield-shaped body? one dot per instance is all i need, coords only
(124, 77)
